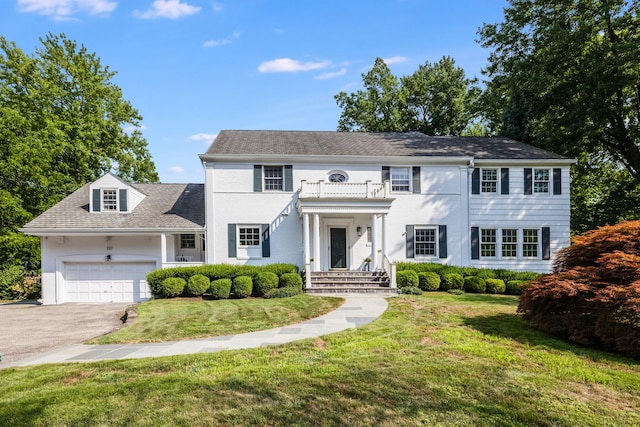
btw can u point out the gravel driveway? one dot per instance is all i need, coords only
(27, 329)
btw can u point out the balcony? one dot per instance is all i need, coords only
(344, 190)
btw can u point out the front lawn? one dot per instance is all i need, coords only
(189, 318)
(436, 359)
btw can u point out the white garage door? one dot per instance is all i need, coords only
(107, 281)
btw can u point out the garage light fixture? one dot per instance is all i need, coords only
(107, 258)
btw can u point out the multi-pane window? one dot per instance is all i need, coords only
(249, 236)
(509, 243)
(488, 242)
(273, 178)
(109, 200)
(187, 241)
(541, 180)
(489, 182)
(400, 179)
(337, 177)
(530, 243)
(369, 235)
(425, 241)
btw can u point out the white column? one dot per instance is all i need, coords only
(374, 243)
(163, 248)
(384, 237)
(305, 237)
(316, 242)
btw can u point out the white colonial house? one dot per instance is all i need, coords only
(325, 201)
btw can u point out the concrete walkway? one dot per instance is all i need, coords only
(357, 310)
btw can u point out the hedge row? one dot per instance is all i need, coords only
(223, 281)
(413, 278)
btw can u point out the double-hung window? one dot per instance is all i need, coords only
(489, 182)
(187, 241)
(488, 242)
(530, 242)
(273, 178)
(425, 241)
(541, 180)
(248, 236)
(509, 243)
(110, 200)
(400, 179)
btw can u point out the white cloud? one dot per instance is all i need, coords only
(332, 74)
(224, 41)
(176, 169)
(207, 137)
(394, 60)
(172, 9)
(288, 65)
(62, 10)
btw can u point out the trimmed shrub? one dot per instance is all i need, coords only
(495, 286)
(411, 290)
(241, 287)
(451, 281)
(455, 291)
(286, 292)
(428, 281)
(220, 289)
(474, 284)
(173, 286)
(198, 285)
(515, 287)
(290, 280)
(407, 279)
(264, 282)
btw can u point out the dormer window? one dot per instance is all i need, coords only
(110, 200)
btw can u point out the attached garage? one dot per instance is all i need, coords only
(106, 281)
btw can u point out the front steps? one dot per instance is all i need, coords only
(349, 282)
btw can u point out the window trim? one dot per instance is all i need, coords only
(489, 244)
(495, 182)
(256, 230)
(409, 179)
(537, 243)
(189, 237)
(264, 177)
(535, 181)
(115, 202)
(337, 172)
(416, 242)
(514, 243)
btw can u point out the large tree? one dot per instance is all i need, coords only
(565, 75)
(63, 123)
(437, 99)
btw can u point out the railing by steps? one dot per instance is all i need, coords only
(348, 282)
(356, 190)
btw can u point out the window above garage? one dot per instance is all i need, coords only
(110, 194)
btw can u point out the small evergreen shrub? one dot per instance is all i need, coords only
(456, 291)
(515, 287)
(474, 284)
(173, 286)
(407, 278)
(411, 290)
(495, 286)
(241, 287)
(264, 282)
(220, 289)
(428, 281)
(451, 281)
(198, 285)
(286, 292)
(290, 280)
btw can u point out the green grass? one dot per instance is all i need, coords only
(180, 319)
(436, 359)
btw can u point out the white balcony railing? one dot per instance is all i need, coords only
(346, 190)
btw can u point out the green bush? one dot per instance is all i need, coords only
(173, 286)
(10, 279)
(411, 290)
(290, 280)
(407, 279)
(474, 284)
(443, 269)
(264, 282)
(451, 281)
(197, 285)
(428, 281)
(495, 286)
(286, 292)
(456, 291)
(241, 287)
(515, 287)
(220, 289)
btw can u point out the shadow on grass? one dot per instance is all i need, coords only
(512, 326)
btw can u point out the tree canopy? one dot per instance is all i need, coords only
(437, 99)
(63, 123)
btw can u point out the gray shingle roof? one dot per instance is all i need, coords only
(322, 143)
(166, 206)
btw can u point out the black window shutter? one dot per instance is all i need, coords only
(409, 237)
(231, 239)
(504, 181)
(442, 241)
(475, 181)
(288, 178)
(257, 178)
(96, 200)
(557, 181)
(546, 243)
(123, 199)
(528, 181)
(386, 173)
(416, 179)
(266, 246)
(475, 243)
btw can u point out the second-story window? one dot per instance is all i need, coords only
(400, 179)
(110, 200)
(187, 241)
(541, 180)
(273, 178)
(337, 177)
(489, 183)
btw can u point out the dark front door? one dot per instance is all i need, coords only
(338, 247)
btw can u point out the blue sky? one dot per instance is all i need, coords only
(195, 67)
